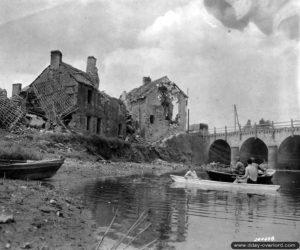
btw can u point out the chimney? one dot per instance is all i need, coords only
(91, 65)
(56, 59)
(123, 96)
(92, 70)
(16, 89)
(146, 80)
(3, 93)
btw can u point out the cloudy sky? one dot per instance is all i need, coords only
(224, 52)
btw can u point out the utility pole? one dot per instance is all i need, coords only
(236, 118)
(188, 121)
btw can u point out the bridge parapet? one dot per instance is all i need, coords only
(292, 125)
(272, 134)
(253, 132)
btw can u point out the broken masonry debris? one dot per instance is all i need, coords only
(6, 218)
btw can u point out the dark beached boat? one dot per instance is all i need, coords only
(228, 176)
(29, 170)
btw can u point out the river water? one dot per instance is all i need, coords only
(190, 219)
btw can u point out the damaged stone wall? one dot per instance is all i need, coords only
(96, 112)
(99, 113)
(182, 114)
(155, 117)
(155, 111)
(70, 97)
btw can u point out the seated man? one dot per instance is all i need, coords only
(263, 166)
(260, 168)
(239, 168)
(213, 164)
(191, 173)
(251, 174)
(254, 162)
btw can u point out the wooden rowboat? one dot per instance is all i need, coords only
(229, 176)
(29, 170)
(180, 181)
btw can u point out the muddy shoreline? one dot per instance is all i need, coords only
(46, 216)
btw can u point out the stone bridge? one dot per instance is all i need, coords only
(278, 144)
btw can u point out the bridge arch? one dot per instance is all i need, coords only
(219, 151)
(254, 147)
(289, 153)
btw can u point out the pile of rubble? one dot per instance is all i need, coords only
(173, 132)
(15, 117)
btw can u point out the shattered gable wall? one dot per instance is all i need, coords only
(53, 96)
(155, 117)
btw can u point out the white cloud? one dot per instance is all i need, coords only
(190, 22)
(219, 66)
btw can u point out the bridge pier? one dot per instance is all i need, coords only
(235, 152)
(272, 156)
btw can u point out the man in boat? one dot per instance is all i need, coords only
(213, 164)
(253, 161)
(251, 174)
(263, 166)
(239, 168)
(191, 174)
(260, 168)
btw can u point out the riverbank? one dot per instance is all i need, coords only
(47, 215)
(43, 215)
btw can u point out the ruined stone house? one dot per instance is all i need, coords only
(64, 94)
(158, 108)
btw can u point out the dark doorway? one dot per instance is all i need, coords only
(219, 152)
(120, 129)
(88, 123)
(89, 96)
(99, 121)
(151, 119)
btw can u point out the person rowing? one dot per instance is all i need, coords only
(251, 174)
(191, 173)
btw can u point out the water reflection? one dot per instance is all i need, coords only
(195, 219)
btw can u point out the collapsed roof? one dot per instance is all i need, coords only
(144, 90)
(55, 86)
(10, 114)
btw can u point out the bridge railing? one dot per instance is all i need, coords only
(292, 124)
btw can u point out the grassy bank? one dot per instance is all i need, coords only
(35, 145)
(12, 151)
